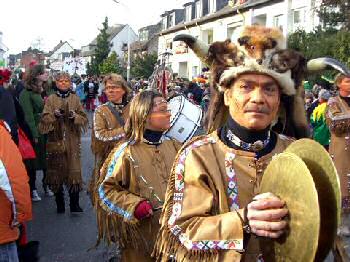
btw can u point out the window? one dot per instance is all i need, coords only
(188, 13)
(171, 20)
(144, 35)
(198, 9)
(205, 7)
(169, 44)
(299, 18)
(278, 21)
(233, 30)
(212, 6)
(164, 23)
(194, 71)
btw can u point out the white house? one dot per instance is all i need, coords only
(215, 20)
(62, 50)
(57, 56)
(119, 37)
(3, 52)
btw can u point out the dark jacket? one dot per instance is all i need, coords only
(90, 92)
(8, 112)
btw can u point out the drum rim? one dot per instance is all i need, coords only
(178, 113)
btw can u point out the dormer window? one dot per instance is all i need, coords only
(198, 9)
(188, 13)
(212, 6)
(144, 35)
(171, 20)
(164, 23)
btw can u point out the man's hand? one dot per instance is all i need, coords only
(58, 113)
(71, 114)
(265, 214)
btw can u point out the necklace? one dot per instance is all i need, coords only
(253, 147)
(63, 94)
(153, 143)
(118, 107)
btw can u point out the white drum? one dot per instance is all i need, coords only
(185, 119)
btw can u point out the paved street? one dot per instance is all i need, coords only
(66, 237)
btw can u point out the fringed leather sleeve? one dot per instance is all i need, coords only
(192, 228)
(80, 119)
(116, 204)
(48, 119)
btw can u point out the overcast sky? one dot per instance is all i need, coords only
(23, 22)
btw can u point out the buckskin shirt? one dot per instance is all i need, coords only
(338, 119)
(133, 173)
(209, 186)
(64, 163)
(107, 132)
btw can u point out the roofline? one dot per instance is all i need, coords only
(188, 3)
(223, 13)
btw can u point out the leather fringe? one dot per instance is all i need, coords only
(113, 228)
(168, 246)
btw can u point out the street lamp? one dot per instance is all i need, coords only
(128, 63)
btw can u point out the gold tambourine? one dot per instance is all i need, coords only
(305, 177)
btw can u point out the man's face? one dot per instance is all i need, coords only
(253, 100)
(63, 83)
(114, 92)
(344, 85)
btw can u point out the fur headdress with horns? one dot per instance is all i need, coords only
(259, 50)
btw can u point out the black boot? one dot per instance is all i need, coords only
(60, 201)
(74, 202)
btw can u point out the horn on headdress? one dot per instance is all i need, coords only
(199, 47)
(323, 63)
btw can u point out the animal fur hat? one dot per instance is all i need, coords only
(262, 50)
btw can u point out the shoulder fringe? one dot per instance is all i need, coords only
(167, 244)
(112, 227)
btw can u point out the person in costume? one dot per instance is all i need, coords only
(134, 177)
(32, 104)
(64, 120)
(338, 119)
(108, 123)
(321, 132)
(213, 210)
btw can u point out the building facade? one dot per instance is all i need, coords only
(119, 37)
(57, 56)
(217, 20)
(148, 40)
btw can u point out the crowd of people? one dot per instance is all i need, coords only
(155, 197)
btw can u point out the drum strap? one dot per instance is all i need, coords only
(116, 114)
